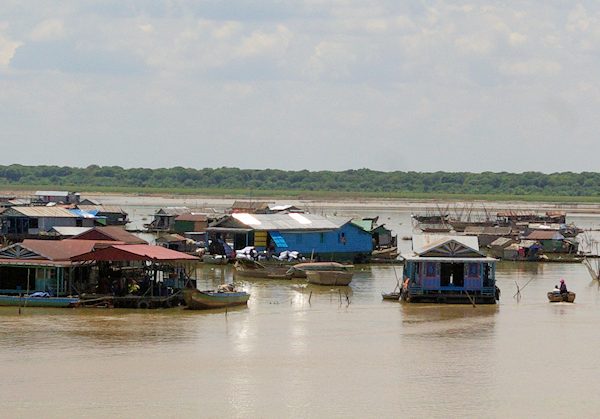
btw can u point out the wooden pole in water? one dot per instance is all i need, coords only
(470, 299)
(309, 297)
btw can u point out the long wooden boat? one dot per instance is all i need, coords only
(394, 295)
(251, 269)
(28, 301)
(202, 300)
(299, 270)
(555, 297)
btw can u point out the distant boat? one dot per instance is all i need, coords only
(555, 297)
(215, 259)
(202, 300)
(29, 301)
(394, 295)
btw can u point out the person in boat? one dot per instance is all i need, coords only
(556, 290)
(563, 287)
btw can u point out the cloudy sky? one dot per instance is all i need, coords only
(306, 84)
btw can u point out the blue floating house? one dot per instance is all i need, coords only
(449, 269)
(323, 238)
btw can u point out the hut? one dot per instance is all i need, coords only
(325, 238)
(190, 222)
(23, 221)
(112, 214)
(164, 219)
(553, 241)
(44, 265)
(57, 197)
(449, 269)
(504, 248)
(176, 242)
(110, 234)
(250, 207)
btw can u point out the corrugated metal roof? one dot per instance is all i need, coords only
(131, 252)
(52, 193)
(114, 233)
(70, 231)
(60, 250)
(424, 242)
(545, 235)
(292, 221)
(50, 212)
(112, 209)
(192, 217)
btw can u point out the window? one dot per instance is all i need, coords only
(322, 237)
(33, 223)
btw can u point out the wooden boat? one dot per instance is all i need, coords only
(555, 297)
(247, 268)
(29, 301)
(385, 253)
(215, 259)
(202, 300)
(339, 278)
(299, 270)
(394, 295)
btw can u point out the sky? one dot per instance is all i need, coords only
(307, 84)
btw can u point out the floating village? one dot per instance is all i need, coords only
(59, 249)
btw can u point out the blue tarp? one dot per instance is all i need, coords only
(278, 240)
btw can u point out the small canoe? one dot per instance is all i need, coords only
(555, 297)
(246, 268)
(202, 300)
(15, 300)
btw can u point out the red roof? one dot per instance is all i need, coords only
(133, 252)
(111, 233)
(62, 250)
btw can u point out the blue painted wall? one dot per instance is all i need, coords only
(347, 239)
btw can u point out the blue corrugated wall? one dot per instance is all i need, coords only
(347, 239)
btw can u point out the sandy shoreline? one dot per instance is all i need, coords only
(331, 203)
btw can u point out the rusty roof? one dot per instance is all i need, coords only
(48, 212)
(61, 250)
(135, 252)
(110, 233)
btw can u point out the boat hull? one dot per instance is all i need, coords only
(554, 297)
(61, 302)
(203, 300)
(337, 278)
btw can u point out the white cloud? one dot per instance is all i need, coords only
(261, 42)
(8, 48)
(531, 68)
(48, 30)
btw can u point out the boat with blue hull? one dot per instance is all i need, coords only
(31, 301)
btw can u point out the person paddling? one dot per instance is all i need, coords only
(563, 287)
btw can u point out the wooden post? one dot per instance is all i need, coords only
(309, 297)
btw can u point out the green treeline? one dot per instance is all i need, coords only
(361, 181)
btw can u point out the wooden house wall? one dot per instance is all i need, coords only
(428, 275)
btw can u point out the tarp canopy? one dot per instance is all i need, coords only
(135, 252)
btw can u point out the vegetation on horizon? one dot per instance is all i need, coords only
(362, 182)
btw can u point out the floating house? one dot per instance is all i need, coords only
(449, 269)
(250, 207)
(324, 238)
(552, 241)
(190, 223)
(112, 214)
(164, 219)
(44, 265)
(57, 197)
(23, 221)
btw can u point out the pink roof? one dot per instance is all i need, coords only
(61, 250)
(131, 252)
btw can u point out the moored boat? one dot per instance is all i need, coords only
(29, 301)
(247, 268)
(339, 278)
(202, 300)
(394, 295)
(555, 297)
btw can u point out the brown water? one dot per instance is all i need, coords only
(285, 357)
(336, 353)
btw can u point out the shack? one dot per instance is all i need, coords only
(190, 223)
(449, 269)
(44, 265)
(249, 207)
(56, 197)
(164, 219)
(323, 238)
(114, 215)
(553, 242)
(110, 234)
(139, 276)
(23, 221)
